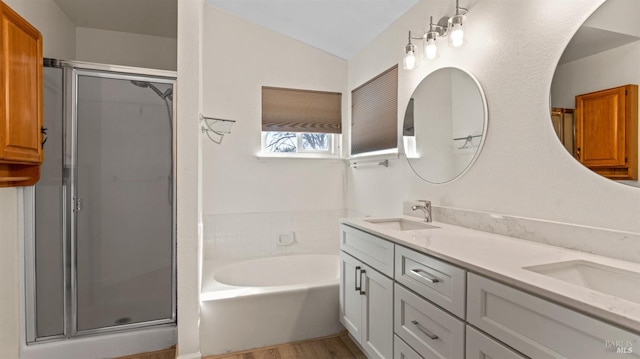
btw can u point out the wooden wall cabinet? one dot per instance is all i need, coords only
(21, 114)
(606, 125)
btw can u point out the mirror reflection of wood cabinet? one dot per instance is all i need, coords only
(606, 129)
(20, 99)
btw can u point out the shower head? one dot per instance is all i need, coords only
(168, 94)
(163, 95)
(142, 84)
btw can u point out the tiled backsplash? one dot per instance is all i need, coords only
(248, 235)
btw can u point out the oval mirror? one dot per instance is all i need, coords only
(444, 125)
(594, 92)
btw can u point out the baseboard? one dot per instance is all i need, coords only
(196, 355)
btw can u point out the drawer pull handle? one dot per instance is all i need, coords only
(358, 287)
(424, 275)
(362, 292)
(424, 330)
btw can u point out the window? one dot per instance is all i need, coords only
(297, 142)
(300, 122)
(374, 114)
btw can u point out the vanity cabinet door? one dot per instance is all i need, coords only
(541, 329)
(377, 335)
(480, 346)
(366, 306)
(350, 297)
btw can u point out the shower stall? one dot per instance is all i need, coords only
(100, 224)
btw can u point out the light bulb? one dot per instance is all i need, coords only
(409, 61)
(457, 35)
(430, 49)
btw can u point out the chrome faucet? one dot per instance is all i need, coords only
(426, 208)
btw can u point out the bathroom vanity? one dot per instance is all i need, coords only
(411, 289)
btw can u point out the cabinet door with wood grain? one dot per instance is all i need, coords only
(20, 89)
(607, 131)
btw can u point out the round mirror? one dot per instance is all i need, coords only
(594, 93)
(444, 125)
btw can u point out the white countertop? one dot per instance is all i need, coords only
(502, 258)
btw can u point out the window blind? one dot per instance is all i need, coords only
(374, 114)
(294, 110)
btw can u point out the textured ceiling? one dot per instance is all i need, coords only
(339, 27)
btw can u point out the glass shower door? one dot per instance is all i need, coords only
(123, 201)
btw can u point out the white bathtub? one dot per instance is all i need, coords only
(260, 302)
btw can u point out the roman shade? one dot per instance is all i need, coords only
(374, 114)
(294, 110)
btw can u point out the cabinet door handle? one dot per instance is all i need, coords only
(362, 292)
(357, 288)
(424, 275)
(43, 130)
(424, 330)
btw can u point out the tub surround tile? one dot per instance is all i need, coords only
(600, 241)
(248, 235)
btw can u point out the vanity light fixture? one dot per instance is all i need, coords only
(409, 61)
(430, 47)
(455, 25)
(447, 26)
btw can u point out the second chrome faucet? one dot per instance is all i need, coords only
(424, 206)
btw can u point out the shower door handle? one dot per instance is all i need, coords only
(77, 204)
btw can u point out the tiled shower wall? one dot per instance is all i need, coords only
(247, 235)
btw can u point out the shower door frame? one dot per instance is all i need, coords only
(72, 70)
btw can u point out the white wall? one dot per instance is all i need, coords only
(121, 48)
(9, 320)
(58, 42)
(239, 57)
(189, 236)
(58, 32)
(523, 169)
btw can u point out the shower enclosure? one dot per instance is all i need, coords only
(100, 238)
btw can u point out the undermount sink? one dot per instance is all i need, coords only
(610, 280)
(400, 224)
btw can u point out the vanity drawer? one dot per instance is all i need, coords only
(372, 250)
(480, 346)
(541, 329)
(440, 282)
(429, 330)
(402, 350)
